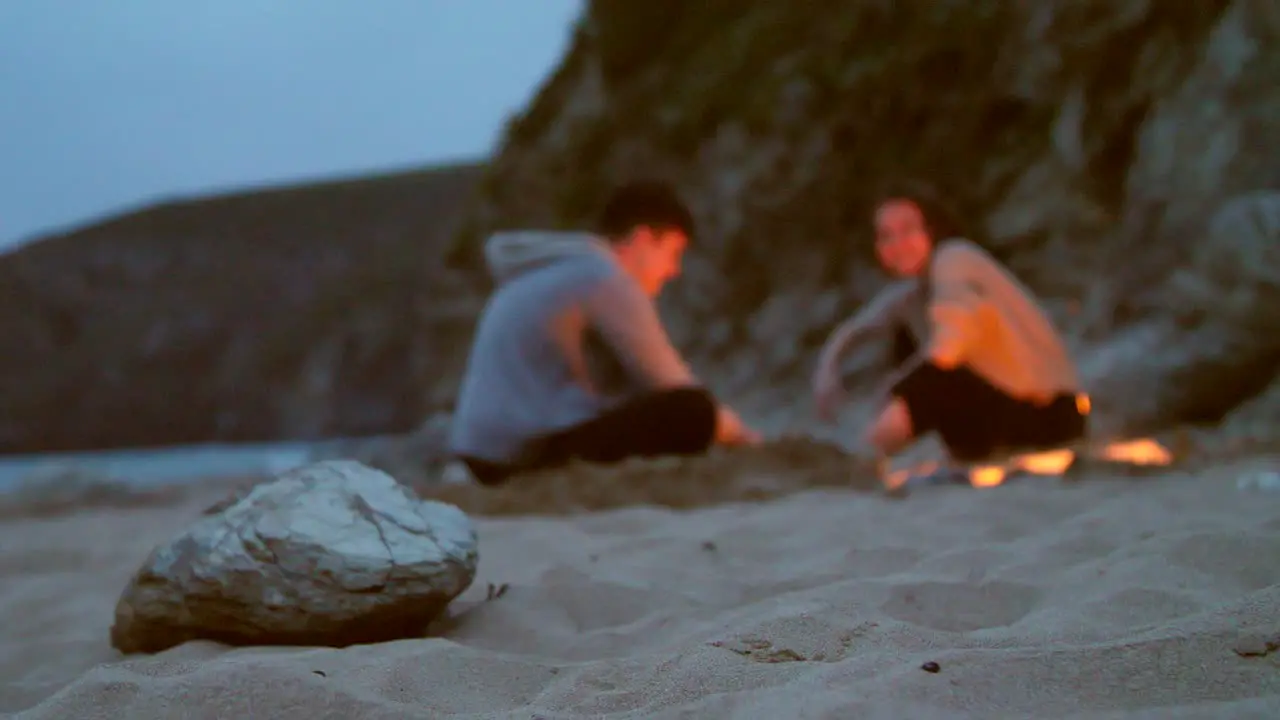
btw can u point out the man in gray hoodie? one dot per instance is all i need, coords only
(570, 359)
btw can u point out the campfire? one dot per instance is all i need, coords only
(1141, 452)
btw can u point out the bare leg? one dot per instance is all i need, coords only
(892, 429)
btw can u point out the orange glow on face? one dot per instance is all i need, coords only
(902, 240)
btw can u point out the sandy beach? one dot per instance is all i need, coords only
(1151, 598)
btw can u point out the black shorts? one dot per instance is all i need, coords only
(680, 421)
(975, 419)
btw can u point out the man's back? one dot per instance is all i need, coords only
(570, 359)
(526, 374)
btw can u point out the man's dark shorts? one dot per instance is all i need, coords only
(680, 421)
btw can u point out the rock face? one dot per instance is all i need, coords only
(1090, 145)
(329, 554)
(1216, 342)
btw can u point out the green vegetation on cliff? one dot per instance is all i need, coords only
(1088, 144)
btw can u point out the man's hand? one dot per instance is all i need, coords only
(828, 393)
(730, 430)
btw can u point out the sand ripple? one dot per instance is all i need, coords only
(1088, 600)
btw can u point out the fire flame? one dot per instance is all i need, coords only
(1144, 452)
(894, 479)
(1138, 452)
(1048, 462)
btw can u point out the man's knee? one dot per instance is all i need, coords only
(695, 400)
(487, 473)
(892, 429)
(693, 412)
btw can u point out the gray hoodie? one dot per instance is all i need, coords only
(566, 335)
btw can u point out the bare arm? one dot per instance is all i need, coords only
(629, 323)
(874, 317)
(957, 306)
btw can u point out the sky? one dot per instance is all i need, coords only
(111, 104)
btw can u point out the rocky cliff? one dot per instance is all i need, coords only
(1120, 156)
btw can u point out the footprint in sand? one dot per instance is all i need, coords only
(961, 607)
(1134, 607)
(801, 638)
(879, 561)
(1253, 565)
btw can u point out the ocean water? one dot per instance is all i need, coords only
(159, 466)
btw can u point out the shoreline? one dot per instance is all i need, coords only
(162, 466)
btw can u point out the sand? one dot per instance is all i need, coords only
(1107, 599)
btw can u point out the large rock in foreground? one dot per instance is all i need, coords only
(332, 554)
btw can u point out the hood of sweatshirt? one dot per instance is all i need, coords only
(509, 254)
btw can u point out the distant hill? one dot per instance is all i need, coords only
(285, 312)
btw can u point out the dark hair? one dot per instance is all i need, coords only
(650, 203)
(939, 218)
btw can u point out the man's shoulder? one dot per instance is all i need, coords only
(584, 272)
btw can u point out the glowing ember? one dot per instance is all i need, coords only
(1048, 462)
(1083, 404)
(894, 479)
(987, 476)
(1138, 452)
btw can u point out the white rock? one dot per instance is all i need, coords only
(333, 553)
